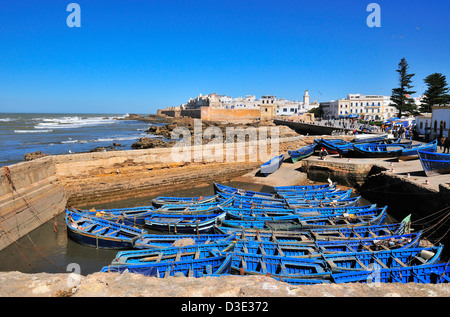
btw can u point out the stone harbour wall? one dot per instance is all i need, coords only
(15, 284)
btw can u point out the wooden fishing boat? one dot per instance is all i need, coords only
(245, 201)
(271, 214)
(436, 273)
(156, 241)
(286, 193)
(183, 223)
(161, 201)
(194, 209)
(182, 253)
(272, 166)
(326, 203)
(370, 138)
(411, 153)
(395, 266)
(434, 163)
(362, 218)
(316, 234)
(216, 265)
(335, 146)
(292, 201)
(220, 188)
(127, 216)
(278, 266)
(284, 266)
(302, 153)
(293, 197)
(323, 248)
(375, 150)
(302, 188)
(100, 233)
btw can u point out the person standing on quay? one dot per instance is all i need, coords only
(447, 145)
(441, 142)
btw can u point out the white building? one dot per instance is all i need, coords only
(283, 106)
(435, 124)
(365, 107)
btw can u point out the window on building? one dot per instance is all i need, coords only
(435, 125)
(421, 125)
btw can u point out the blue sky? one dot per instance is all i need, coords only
(138, 56)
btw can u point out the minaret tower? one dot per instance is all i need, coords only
(306, 98)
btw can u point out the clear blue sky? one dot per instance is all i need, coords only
(141, 55)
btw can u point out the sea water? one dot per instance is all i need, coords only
(65, 133)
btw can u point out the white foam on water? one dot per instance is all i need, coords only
(72, 122)
(32, 131)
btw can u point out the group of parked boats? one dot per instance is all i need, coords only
(371, 146)
(298, 234)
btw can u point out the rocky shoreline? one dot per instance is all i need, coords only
(160, 135)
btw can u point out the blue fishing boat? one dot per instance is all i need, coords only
(295, 196)
(324, 249)
(256, 201)
(317, 234)
(411, 153)
(285, 193)
(100, 233)
(302, 153)
(375, 150)
(272, 166)
(436, 273)
(182, 253)
(362, 218)
(193, 209)
(216, 265)
(271, 214)
(220, 188)
(434, 163)
(325, 203)
(278, 266)
(163, 200)
(183, 223)
(302, 188)
(157, 241)
(397, 266)
(370, 138)
(127, 216)
(292, 201)
(335, 146)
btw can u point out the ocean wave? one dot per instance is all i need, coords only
(7, 119)
(32, 131)
(72, 122)
(103, 140)
(117, 139)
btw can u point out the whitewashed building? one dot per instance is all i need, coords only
(283, 106)
(365, 107)
(435, 124)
